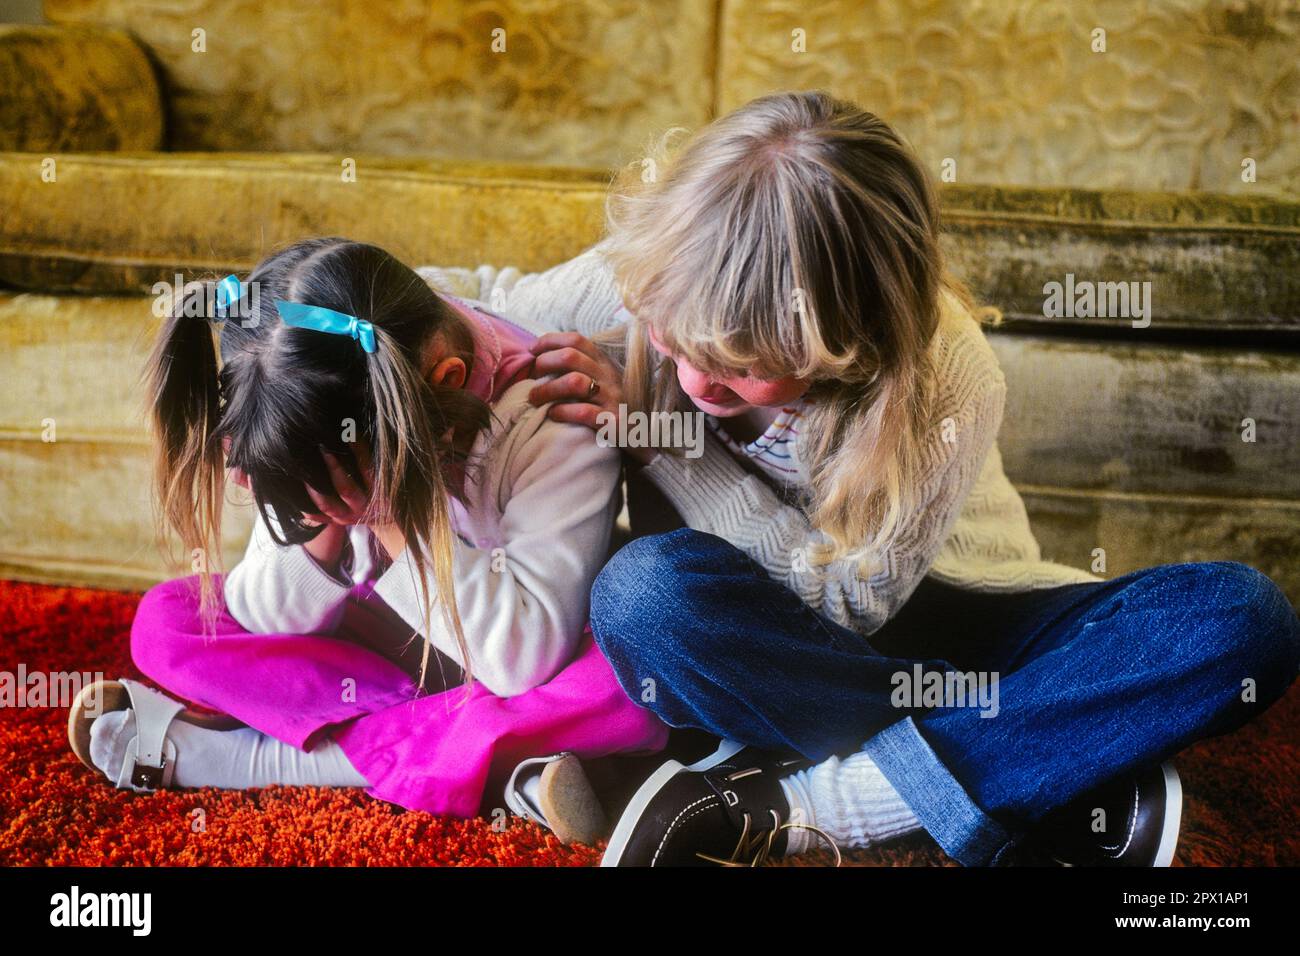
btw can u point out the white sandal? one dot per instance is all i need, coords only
(150, 756)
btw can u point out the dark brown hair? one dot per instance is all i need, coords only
(279, 394)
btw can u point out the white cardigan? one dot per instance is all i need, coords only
(534, 528)
(974, 532)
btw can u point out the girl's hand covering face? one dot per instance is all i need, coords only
(346, 506)
(587, 384)
(350, 501)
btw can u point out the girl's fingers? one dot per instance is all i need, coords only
(332, 508)
(576, 362)
(566, 340)
(569, 360)
(352, 494)
(575, 386)
(365, 463)
(577, 413)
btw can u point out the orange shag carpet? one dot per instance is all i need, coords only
(1242, 791)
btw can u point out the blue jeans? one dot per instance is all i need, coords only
(1092, 680)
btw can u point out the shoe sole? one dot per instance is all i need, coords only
(1173, 816)
(646, 792)
(93, 701)
(1172, 822)
(569, 803)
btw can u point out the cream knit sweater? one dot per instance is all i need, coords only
(973, 530)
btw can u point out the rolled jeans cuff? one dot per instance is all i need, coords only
(966, 833)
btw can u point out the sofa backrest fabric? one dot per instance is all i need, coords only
(1160, 95)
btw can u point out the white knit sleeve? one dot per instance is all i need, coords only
(278, 589)
(715, 494)
(574, 296)
(523, 596)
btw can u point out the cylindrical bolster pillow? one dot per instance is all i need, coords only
(76, 89)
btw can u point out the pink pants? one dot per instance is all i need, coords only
(446, 752)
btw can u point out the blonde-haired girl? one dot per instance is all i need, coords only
(852, 543)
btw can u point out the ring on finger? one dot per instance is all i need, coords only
(593, 388)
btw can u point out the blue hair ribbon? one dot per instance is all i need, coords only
(320, 319)
(229, 291)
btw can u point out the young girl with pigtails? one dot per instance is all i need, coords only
(851, 539)
(410, 614)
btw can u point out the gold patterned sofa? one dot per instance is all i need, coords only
(1174, 441)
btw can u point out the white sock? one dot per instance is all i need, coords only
(230, 759)
(532, 788)
(850, 800)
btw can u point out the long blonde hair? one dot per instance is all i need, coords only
(797, 236)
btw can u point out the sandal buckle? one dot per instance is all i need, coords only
(145, 777)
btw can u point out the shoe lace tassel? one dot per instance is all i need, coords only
(761, 843)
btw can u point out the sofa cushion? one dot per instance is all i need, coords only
(116, 223)
(119, 223)
(76, 88)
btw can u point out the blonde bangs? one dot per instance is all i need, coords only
(716, 272)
